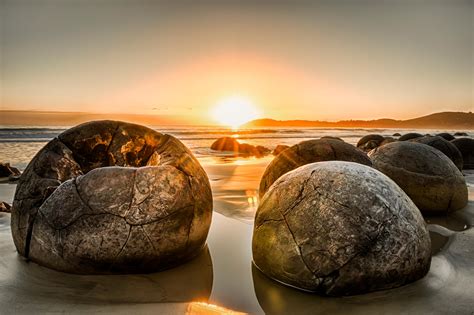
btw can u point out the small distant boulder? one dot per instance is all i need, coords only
(396, 134)
(372, 137)
(5, 207)
(460, 134)
(370, 142)
(232, 145)
(226, 144)
(466, 147)
(6, 170)
(449, 149)
(426, 175)
(446, 136)
(279, 148)
(409, 136)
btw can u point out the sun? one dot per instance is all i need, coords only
(234, 111)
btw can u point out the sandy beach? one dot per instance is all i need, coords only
(223, 275)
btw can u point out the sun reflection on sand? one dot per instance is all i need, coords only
(252, 198)
(201, 308)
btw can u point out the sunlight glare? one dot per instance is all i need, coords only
(234, 111)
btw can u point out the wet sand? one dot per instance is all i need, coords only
(223, 275)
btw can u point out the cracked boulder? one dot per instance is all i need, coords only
(112, 197)
(310, 151)
(340, 228)
(427, 175)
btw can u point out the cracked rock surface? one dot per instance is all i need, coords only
(340, 228)
(112, 197)
(310, 151)
(427, 175)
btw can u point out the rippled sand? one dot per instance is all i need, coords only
(222, 278)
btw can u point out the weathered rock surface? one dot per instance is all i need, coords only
(396, 134)
(410, 135)
(460, 134)
(446, 136)
(449, 149)
(427, 176)
(279, 148)
(5, 207)
(6, 170)
(340, 228)
(310, 151)
(112, 197)
(232, 145)
(466, 147)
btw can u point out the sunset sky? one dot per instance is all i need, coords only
(326, 60)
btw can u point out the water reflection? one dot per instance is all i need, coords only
(235, 186)
(200, 308)
(36, 285)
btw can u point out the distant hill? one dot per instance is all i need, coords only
(444, 120)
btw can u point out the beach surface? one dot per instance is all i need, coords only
(223, 279)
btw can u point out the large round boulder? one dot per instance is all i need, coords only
(466, 147)
(449, 149)
(112, 197)
(426, 174)
(340, 228)
(310, 151)
(409, 136)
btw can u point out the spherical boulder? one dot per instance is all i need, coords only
(449, 149)
(446, 136)
(112, 197)
(408, 136)
(427, 176)
(340, 228)
(372, 137)
(226, 144)
(466, 147)
(307, 152)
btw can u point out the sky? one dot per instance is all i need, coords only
(321, 60)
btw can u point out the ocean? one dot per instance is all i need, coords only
(18, 144)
